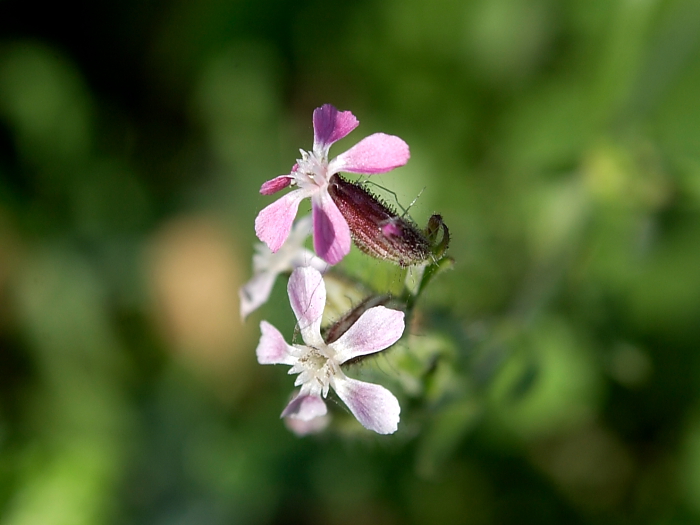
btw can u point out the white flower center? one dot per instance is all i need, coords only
(316, 368)
(312, 170)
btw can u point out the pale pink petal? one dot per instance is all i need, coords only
(331, 125)
(331, 232)
(256, 292)
(376, 329)
(377, 153)
(307, 295)
(305, 407)
(306, 257)
(275, 185)
(272, 348)
(304, 428)
(373, 405)
(273, 223)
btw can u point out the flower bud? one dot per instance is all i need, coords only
(435, 223)
(376, 229)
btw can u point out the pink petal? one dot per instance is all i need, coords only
(376, 329)
(304, 428)
(273, 223)
(256, 292)
(275, 185)
(307, 295)
(373, 405)
(331, 232)
(272, 348)
(302, 257)
(331, 125)
(305, 408)
(377, 153)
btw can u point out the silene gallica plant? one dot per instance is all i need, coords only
(376, 322)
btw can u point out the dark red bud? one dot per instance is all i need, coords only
(376, 229)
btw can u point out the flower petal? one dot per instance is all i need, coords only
(306, 257)
(272, 348)
(273, 223)
(307, 295)
(377, 153)
(256, 292)
(304, 428)
(305, 407)
(302, 228)
(275, 185)
(331, 125)
(376, 329)
(301, 256)
(373, 405)
(331, 232)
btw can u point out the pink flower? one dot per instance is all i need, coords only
(318, 363)
(377, 153)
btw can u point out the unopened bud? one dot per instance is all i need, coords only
(376, 229)
(435, 223)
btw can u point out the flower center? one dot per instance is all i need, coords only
(311, 170)
(315, 370)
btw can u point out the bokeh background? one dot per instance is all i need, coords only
(560, 140)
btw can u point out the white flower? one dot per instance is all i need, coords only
(268, 265)
(318, 363)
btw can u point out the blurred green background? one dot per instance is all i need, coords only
(556, 369)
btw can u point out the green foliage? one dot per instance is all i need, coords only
(549, 377)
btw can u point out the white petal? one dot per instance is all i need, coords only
(301, 230)
(307, 295)
(304, 428)
(256, 292)
(373, 405)
(376, 329)
(272, 348)
(305, 407)
(304, 257)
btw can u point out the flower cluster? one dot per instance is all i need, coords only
(342, 212)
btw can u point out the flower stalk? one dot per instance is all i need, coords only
(342, 212)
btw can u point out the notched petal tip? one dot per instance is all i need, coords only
(376, 329)
(272, 348)
(331, 125)
(377, 153)
(274, 222)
